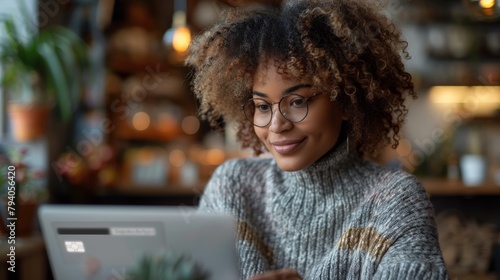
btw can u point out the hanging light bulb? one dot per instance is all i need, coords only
(181, 39)
(483, 9)
(487, 4)
(178, 38)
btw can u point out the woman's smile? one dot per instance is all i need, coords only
(284, 147)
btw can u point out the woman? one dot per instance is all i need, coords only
(318, 84)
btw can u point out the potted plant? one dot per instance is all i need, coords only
(22, 187)
(167, 266)
(40, 71)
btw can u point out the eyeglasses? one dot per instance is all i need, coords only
(292, 107)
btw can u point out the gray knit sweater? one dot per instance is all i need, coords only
(340, 218)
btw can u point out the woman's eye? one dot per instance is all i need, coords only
(298, 102)
(262, 107)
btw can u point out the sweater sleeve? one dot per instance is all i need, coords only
(404, 214)
(218, 195)
(225, 192)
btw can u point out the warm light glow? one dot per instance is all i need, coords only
(145, 156)
(178, 38)
(404, 147)
(190, 125)
(483, 9)
(94, 161)
(196, 153)
(177, 158)
(215, 156)
(141, 121)
(167, 124)
(181, 39)
(487, 4)
(464, 94)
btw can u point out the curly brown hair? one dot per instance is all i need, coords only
(344, 47)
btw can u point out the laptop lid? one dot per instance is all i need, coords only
(106, 242)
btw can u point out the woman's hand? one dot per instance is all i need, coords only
(282, 274)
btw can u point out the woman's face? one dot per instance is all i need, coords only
(295, 146)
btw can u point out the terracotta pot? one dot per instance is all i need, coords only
(26, 218)
(28, 121)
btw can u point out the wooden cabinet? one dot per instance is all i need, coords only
(443, 187)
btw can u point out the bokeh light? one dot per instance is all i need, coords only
(404, 147)
(177, 158)
(215, 156)
(487, 4)
(181, 39)
(485, 10)
(190, 125)
(141, 121)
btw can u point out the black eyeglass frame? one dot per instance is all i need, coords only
(271, 104)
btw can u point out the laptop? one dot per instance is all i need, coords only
(106, 242)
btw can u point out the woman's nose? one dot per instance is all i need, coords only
(278, 122)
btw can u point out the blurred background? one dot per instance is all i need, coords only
(96, 108)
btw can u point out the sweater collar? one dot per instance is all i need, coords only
(336, 159)
(321, 176)
(316, 188)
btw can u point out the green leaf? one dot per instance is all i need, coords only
(12, 33)
(57, 78)
(58, 55)
(66, 47)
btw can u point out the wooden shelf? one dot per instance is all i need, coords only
(121, 63)
(143, 190)
(443, 187)
(170, 189)
(473, 276)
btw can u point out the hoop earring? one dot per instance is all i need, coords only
(347, 144)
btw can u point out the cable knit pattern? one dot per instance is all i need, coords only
(340, 218)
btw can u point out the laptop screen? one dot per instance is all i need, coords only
(107, 242)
